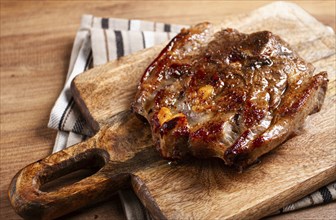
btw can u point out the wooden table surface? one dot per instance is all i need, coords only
(36, 41)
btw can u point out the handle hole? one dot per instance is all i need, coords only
(73, 170)
(67, 179)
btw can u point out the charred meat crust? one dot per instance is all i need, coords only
(226, 94)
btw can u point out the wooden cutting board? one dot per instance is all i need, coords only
(196, 189)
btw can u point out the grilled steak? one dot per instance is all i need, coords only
(227, 94)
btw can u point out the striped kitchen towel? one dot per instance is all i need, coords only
(100, 40)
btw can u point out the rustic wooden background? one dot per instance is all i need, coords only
(36, 40)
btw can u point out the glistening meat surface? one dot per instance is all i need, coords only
(227, 94)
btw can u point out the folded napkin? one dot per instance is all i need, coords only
(100, 40)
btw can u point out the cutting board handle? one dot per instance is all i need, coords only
(31, 202)
(119, 149)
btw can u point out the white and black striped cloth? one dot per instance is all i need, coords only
(100, 40)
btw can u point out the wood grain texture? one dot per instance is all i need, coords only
(36, 40)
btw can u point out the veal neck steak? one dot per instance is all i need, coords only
(227, 94)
